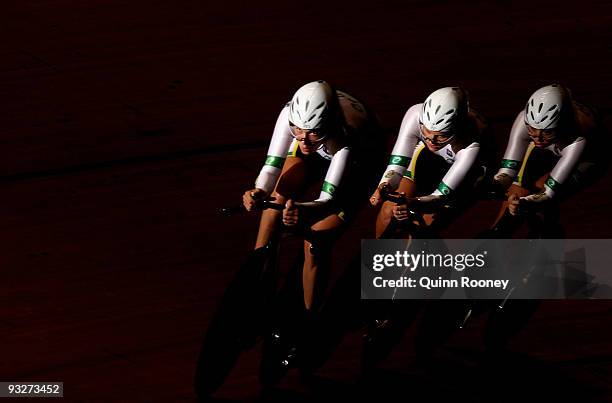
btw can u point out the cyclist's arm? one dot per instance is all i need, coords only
(334, 175)
(562, 170)
(464, 161)
(402, 150)
(277, 152)
(515, 151)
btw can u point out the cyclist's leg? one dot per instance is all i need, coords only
(317, 258)
(331, 318)
(505, 224)
(242, 315)
(504, 324)
(290, 184)
(298, 310)
(392, 321)
(385, 214)
(536, 164)
(441, 318)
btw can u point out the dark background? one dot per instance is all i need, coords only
(126, 123)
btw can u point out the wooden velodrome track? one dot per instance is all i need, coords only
(126, 123)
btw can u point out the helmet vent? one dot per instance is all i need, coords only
(308, 104)
(428, 117)
(531, 101)
(551, 108)
(440, 121)
(532, 117)
(312, 117)
(438, 108)
(320, 106)
(430, 103)
(540, 107)
(554, 115)
(449, 111)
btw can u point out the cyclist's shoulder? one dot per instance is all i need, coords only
(284, 112)
(414, 110)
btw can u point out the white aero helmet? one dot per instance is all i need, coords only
(546, 107)
(444, 109)
(311, 105)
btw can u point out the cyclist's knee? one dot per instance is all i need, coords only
(329, 223)
(314, 251)
(279, 198)
(386, 211)
(322, 236)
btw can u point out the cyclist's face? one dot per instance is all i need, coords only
(308, 140)
(435, 140)
(542, 138)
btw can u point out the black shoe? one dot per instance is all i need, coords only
(278, 357)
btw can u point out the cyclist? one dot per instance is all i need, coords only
(550, 154)
(436, 160)
(439, 158)
(321, 135)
